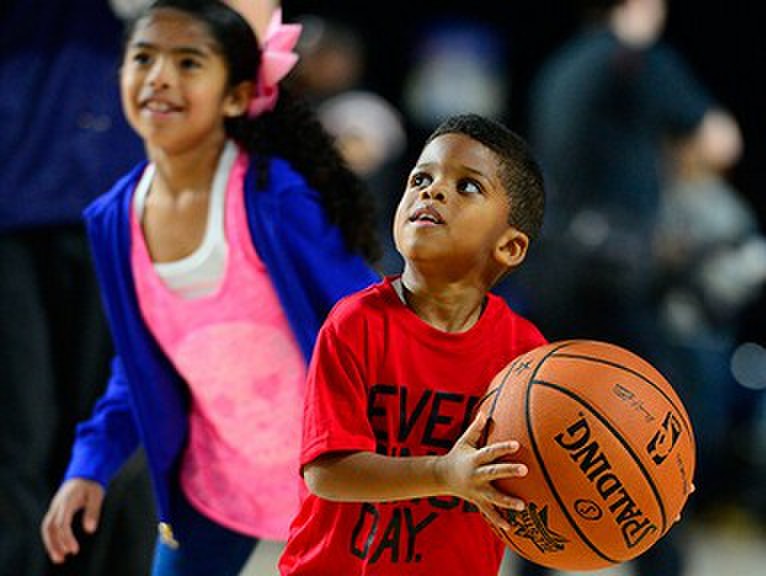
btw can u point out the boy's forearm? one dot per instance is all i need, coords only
(370, 477)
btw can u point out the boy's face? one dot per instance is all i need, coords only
(454, 211)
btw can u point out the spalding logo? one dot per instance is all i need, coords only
(633, 523)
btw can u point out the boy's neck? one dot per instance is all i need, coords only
(449, 308)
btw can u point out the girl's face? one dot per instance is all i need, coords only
(454, 212)
(173, 83)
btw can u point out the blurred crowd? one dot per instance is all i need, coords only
(666, 257)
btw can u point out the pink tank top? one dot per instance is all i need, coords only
(245, 372)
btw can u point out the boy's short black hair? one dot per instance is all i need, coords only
(518, 170)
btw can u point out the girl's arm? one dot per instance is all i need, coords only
(466, 471)
(106, 440)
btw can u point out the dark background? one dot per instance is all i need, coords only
(723, 41)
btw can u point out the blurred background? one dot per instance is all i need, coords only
(382, 75)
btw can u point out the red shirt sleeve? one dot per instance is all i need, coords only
(335, 413)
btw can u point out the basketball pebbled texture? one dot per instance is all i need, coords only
(609, 447)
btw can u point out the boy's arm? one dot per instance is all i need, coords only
(466, 471)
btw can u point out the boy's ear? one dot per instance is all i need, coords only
(511, 248)
(237, 100)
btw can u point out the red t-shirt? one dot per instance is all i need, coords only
(383, 380)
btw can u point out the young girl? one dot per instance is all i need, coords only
(218, 260)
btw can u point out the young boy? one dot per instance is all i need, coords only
(400, 367)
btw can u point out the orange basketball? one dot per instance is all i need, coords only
(609, 447)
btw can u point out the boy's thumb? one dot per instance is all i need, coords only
(473, 433)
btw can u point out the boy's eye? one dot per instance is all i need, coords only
(420, 179)
(469, 187)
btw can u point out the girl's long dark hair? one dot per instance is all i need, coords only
(291, 131)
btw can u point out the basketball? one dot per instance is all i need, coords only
(609, 447)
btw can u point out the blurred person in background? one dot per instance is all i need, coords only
(63, 141)
(712, 257)
(457, 65)
(332, 58)
(601, 110)
(454, 65)
(370, 134)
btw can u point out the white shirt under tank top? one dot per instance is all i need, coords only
(199, 273)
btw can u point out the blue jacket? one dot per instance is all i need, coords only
(146, 400)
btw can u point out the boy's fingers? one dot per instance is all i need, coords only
(494, 516)
(498, 450)
(505, 501)
(499, 470)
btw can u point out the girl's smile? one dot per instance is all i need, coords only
(174, 83)
(159, 107)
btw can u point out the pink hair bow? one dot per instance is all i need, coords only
(277, 59)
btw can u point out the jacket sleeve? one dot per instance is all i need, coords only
(109, 437)
(328, 269)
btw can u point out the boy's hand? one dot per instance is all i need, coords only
(468, 472)
(74, 495)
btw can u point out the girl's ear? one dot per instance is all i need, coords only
(511, 248)
(237, 100)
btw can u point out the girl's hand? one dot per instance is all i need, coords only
(56, 529)
(468, 472)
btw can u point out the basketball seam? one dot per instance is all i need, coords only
(680, 410)
(496, 393)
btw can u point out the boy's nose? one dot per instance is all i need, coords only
(434, 192)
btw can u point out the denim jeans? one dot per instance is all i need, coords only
(206, 548)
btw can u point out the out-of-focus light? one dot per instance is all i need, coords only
(748, 365)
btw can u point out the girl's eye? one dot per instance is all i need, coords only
(469, 187)
(140, 58)
(189, 64)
